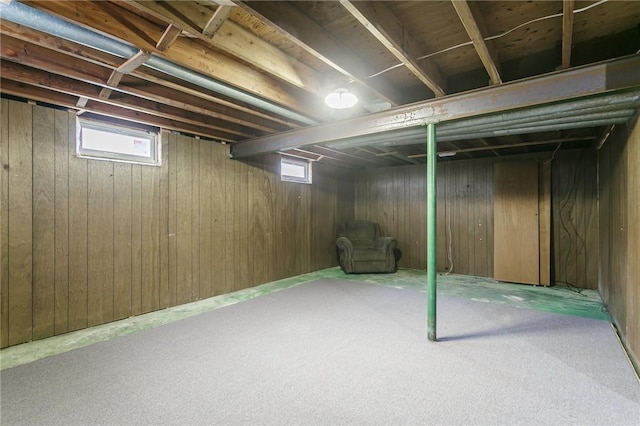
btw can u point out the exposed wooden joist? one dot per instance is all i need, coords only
(567, 32)
(233, 39)
(168, 37)
(385, 27)
(218, 18)
(129, 65)
(108, 18)
(614, 75)
(44, 80)
(307, 34)
(158, 89)
(69, 101)
(474, 24)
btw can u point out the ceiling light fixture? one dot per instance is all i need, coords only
(341, 99)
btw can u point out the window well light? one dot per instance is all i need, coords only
(341, 99)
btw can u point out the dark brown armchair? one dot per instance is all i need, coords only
(361, 249)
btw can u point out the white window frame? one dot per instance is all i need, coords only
(153, 158)
(304, 164)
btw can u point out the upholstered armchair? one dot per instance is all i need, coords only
(361, 249)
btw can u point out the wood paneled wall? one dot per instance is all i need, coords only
(85, 242)
(619, 270)
(395, 197)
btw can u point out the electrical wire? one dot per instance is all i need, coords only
(497, 36)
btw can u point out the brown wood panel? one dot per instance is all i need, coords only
(65, 131)
(261, 197)
(172, 216)
(195, 220)
(78, 237)
(43, 222)
(100, 242)
(122, 241)
(544, 221)
(516, 231)
(482, 210)
(590, 234)
(165, 292)
(219, 219)
(304, 259)
(4, 223)
(20, 246)
(206, 240)
(632, 335)
(243, 261)
(184, 238)
(150, 241)
(136, 239)
(232, 225)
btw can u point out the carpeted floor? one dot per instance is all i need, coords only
(338, 352)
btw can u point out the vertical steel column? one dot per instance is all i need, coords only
(431, 231)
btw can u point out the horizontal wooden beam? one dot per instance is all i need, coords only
(615, 75)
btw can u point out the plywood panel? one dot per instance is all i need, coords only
(43, 223)
(184, 238)
(218, 218)
(544, 208)
(163, 214)
(206, 240)
(136, 239)
(20, 244)
(195, 219)
(632, 299)
(122, 239)
(78, 239)
(65, 131)
(516, 234)
(4, 223)
(100, 242)
(172, 216)
(233, 224)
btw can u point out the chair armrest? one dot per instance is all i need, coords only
(345, 244)
(387, 243)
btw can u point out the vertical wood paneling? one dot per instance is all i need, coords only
(206, 240)
(219, 218)
(184, 238)
(65, 131)
(632, 336)
(100, 242)
(165, 292)
(136, 239)
(43, 223)
(108, 240)
(544, 221)
(78, 238)
(20, 246)
(122, 241)
(4, 223)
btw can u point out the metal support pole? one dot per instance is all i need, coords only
(431, 231)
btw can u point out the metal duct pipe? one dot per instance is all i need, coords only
(38, 20)
(568, 118)
(578, 107)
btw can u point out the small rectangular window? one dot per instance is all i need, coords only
(293, 170)
(105, 141)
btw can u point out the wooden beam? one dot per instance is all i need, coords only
(169, 36)
(148, 84)
(605, 77)
(233, 39)
(474, 24)
(218, 18)
(567, 32)
(388, 30)
(303, 31)
(109, 18)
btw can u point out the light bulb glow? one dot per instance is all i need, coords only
(341, 99)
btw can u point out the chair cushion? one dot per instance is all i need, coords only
(369, 255)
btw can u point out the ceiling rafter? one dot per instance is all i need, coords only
(126, 25)
(567, 32)
(221, 33)
(170, 35)
(474, 24)
(388, 30)
(300, 29)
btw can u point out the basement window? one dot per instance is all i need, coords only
(105, 141)
(294, 170)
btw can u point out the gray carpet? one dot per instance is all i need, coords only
(338, 352)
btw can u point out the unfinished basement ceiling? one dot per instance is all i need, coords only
(237, 72)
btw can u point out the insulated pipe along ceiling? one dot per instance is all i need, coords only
(35, 19)
(590, 112)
